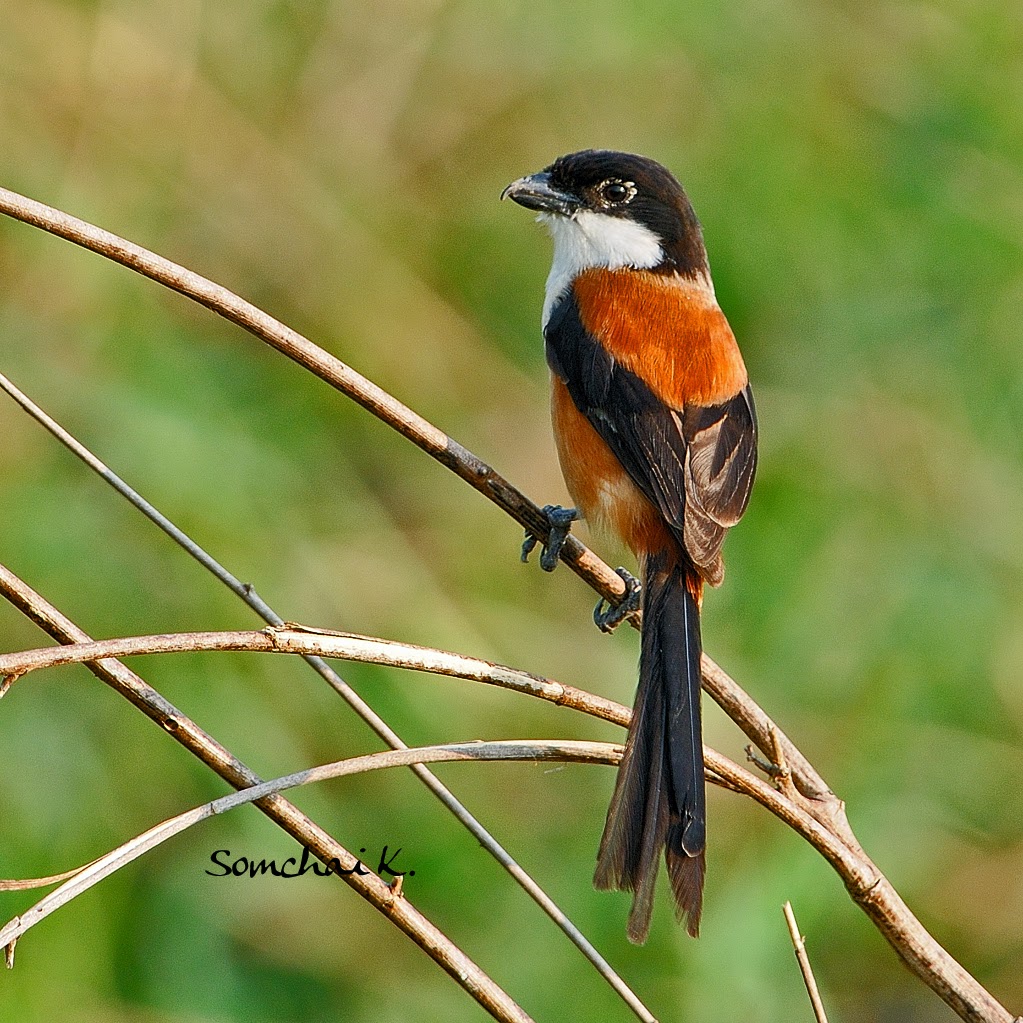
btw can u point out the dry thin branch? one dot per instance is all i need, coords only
(24, 884)
(247, 593)
(321, 643)
(521, 749)
(799, 944)
(287, 816)
(871, 891)
(324, 365)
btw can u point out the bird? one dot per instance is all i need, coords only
(656, 432)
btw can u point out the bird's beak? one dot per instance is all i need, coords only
(535, 193)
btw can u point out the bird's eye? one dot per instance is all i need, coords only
(614, 193)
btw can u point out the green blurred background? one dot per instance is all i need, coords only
(857, 168)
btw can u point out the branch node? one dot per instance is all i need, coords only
(9, 947)
(272, 633)
(772, 770)
(170, 724)
(783, 779)
(863, 891)
(7, 681)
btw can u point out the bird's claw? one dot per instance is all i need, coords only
(560, 520)
(608, 618)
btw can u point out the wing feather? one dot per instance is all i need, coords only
(695, 464)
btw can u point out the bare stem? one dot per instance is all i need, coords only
(102, 867)
(799, 944)
(320, 643)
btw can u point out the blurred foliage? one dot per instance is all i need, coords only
(859, 172)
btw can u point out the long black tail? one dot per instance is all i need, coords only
(659, 798)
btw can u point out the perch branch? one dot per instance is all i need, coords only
(327, 367)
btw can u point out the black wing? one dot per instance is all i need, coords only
(695, 464)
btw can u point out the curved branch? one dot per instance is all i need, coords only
(102, 867)
(296, 639)
(327, 367)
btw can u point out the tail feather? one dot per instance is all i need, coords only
(686, 873)
(659, 800)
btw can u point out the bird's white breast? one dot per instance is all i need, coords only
(589, 239)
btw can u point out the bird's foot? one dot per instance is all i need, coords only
(560, 520)
(608, 618)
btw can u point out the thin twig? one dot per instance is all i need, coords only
(523, 749)
(287, 816)
(248, 594)
(872, 891)
(24, 884)
(321, 643)
(799, 944)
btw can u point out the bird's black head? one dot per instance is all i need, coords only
(600, 188)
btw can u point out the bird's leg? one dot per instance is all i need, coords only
(608, 619)
(560, 520)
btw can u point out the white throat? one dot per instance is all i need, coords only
(587, 240)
